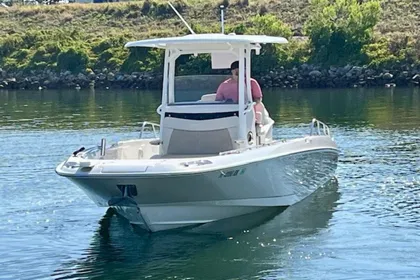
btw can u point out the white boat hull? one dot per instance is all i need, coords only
(229, 186)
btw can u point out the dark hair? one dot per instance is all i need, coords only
(234, 65)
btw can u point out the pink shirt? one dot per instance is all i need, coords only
(229, 90)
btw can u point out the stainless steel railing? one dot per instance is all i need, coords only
(152, 125)
(319, 128)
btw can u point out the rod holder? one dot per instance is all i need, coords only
(103, 145)
(222, 17)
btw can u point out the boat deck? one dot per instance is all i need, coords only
(183, 156)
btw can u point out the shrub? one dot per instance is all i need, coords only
(21, 54)
(163, 10)
(385, 53)
(243, 3)
(9, 44)
(270, 56)
(263, 10)
(225, 3)
(143, 59)
(145, 9)
(270, 25)
(338, 30)
(72, 60)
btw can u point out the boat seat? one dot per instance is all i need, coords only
(208, 97)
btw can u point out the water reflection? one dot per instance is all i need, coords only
(244, 247)
(392, 108)
(76, 109)
(383, 108)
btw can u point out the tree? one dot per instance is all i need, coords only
(339, 30)
(271, 55)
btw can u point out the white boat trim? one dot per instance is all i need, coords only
(135, 169)
(205, 39)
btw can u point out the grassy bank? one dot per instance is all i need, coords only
(90, 37)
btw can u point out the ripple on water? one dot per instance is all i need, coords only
(366, 227)
(387, 185)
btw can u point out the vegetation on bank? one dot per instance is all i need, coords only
(90, 37)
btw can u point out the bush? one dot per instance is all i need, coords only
(191, 65)
(338, 30)
(225, 3)
(72, 60)
(270, 25)
(263, 10)
(378, 54)
(146, 7)
(21, 54)
(163, 10)
(9, 44)
(385, 53)
(271, 55)
(143, 59)
(237, 29)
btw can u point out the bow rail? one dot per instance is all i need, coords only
(153, 125)
(319, 128)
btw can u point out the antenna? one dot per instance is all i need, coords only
(222, 17)
(183, 20)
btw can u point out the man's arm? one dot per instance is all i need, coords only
(256, 91)
(219, 93)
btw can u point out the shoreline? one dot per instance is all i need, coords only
(303, 76)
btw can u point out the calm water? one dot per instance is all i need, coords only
(365, 225)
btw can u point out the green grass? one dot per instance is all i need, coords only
(31, 37)
(398, 16)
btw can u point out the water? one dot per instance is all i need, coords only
(365, 225)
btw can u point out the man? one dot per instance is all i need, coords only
(229, 89)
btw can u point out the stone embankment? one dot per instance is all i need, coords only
(304, 76)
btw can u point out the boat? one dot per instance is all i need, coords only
(207, 160)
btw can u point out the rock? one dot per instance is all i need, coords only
(387, 76)
(370, 72)
(332, 73)
(357, 69)
(111, 77)
(347, 68)
(405, 74)
(304, 66)
(92, 76)
(315, 73)
(119, 77)
(66, 73)
(81, 77)
(101, 76)
(349, 74)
